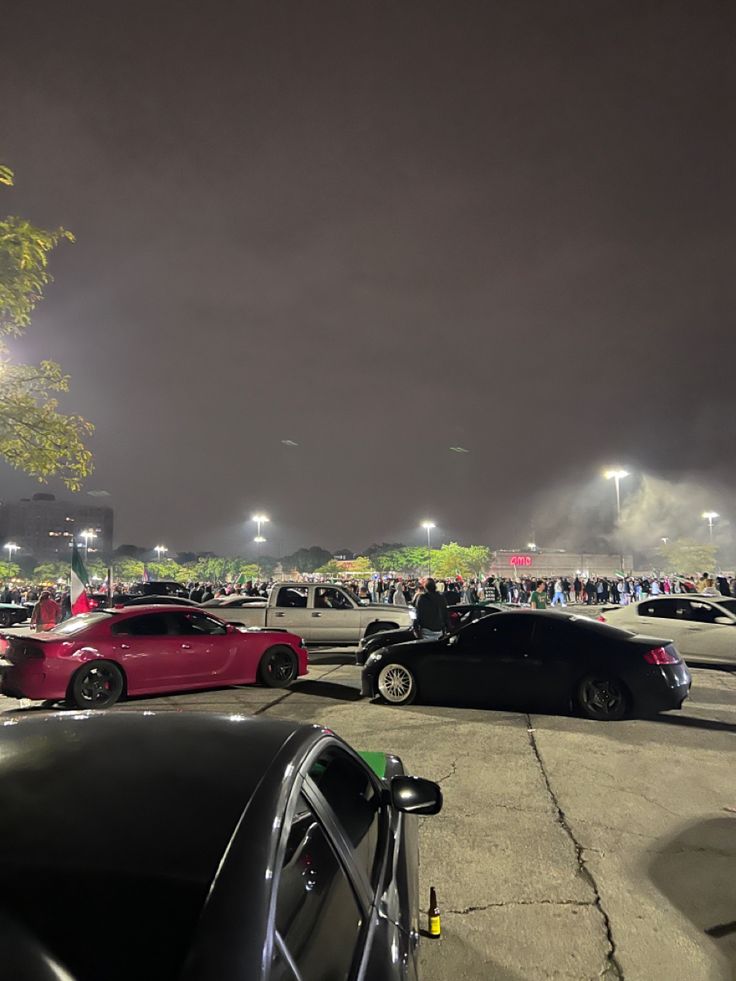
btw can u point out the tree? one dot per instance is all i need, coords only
(307, 559)
(362, 566)
(688, 557)
(9, 570)
(331, 568)
(34, 435)
(128, 570)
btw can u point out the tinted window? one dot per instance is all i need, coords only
(501, 632)
(331, 599)
(729, 605)
(292, 596)
(147, 625)
(662, 608)
(703, 612)
(79, 622)
(348, 788)
(317, 914)
(195, 624)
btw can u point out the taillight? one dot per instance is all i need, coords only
(660, 655)
(601, 618)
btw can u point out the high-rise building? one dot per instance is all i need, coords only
(44, 528)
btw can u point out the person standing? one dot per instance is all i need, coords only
(433, 620)
(46, 612)
(538, 599)
(559, 593)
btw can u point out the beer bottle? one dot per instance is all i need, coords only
(433, 915)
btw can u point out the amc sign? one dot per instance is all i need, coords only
(520, 560)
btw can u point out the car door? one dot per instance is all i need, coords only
(487, 661)
(705, 638)
(206, 651)
(292, 611)
(666, 618)
(335, 619)
(146, 650)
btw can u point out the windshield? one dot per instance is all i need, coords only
(80, 622)
(729, 605)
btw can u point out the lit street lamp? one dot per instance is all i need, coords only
(160, 550)
(11, 547)
(428, 526)
(617, 476)
(86, 535)
(260, 519)
(710, 516)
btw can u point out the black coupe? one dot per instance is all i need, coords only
(198, 847)
(534, 659)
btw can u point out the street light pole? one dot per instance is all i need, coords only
(11, 547)
(617, 475)
(86, 535)
(160, 550)
(260, 519)
(428, 526)
(709, 517)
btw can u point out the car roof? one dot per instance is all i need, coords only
(167, 789)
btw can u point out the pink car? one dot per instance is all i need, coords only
(95, 658)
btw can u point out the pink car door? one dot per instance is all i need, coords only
(147, 650)
(204, 650)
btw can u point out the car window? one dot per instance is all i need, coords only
(659, 608)
(328, 598)
(79, 622)
(505, 631)
(702, 612)
(146, 625)
(195, 623)
(318, 918)
(292, 596)
(729, 605)
(348, 788)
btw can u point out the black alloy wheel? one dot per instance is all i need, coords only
(278, 667)
(6, 618)
(97, 685)
(602, 697)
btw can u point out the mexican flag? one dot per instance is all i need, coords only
(80, 603)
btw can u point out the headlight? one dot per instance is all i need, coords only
(412, 613)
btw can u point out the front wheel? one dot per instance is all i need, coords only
(97, 685)
(397, 684)
(278, 667)
(602, 697)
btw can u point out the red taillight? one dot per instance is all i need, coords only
(3, 645)
(660, 655)
(601, 618)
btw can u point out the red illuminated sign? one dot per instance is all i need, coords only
(518, 560)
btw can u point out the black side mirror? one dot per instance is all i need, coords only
(416, 795)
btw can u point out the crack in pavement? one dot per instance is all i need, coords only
(521, 902)
(612, 968)
(453, 771)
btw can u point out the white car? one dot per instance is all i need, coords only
(703, 627)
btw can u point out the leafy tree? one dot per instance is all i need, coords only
(168, 569)
(688, 557)
(362, 566)
(128, 570)
(331, 568)
(307, 559)
(9, 570)
(34, 436)
(458, 560)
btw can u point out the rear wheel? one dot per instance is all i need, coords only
(602, 697)
(97, 685)
(278, 667)
(397, 684)
(6, 618)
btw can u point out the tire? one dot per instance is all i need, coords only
(278, 667)
(97, 685)
(6, 618)
(602, 697)
(396, 684)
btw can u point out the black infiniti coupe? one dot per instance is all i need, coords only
(196, 847)
(534, 659)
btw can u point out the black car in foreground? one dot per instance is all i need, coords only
(535, 659)
(199, 847)
(460, 615)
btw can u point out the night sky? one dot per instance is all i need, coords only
(380, 229)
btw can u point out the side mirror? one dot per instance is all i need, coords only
(453, 640)
(725, 621)
(414, 795)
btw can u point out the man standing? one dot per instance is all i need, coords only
(46, 612)
(538, 600)
(559, 595)
(432, 617)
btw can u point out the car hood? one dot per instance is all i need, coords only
(413, 647)
(386, 608)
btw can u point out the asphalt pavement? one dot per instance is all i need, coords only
(567, 849)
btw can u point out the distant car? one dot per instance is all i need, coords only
(702, 626)
(460, 615)
(533, 659)
(159, 587)
(12, 613)
(157, 600)
(237, 848)
(93, 659)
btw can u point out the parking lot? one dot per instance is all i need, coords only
(566, 848)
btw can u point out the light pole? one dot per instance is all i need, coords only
(160, 550)
(86, 535)
(11, 547)
(617, 476)
(428, 526)
(260, 519)
(710, 516)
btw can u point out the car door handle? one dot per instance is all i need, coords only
(279, 614)
(316, 614)
(186, 647)
(125, 647)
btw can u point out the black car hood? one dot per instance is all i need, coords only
(412, 647)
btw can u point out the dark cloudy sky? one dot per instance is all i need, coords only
(380, 228)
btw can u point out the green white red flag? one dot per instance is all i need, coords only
(80, 579)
